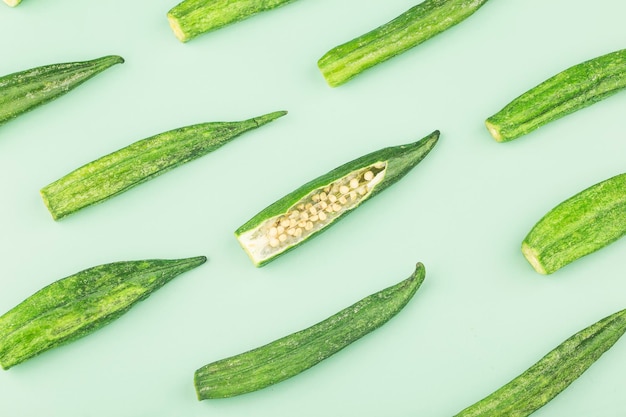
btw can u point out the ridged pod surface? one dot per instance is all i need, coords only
(318, 204)
(77, 305)
(580, 225)
(25, 90)
(416, 25)
(141, 161)
(191, 18)
(570, 90)
(295, 353)
(553, 373)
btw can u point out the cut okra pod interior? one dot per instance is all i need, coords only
(316, 205)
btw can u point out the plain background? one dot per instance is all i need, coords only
(481, 317)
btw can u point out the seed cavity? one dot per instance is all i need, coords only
(314, 212)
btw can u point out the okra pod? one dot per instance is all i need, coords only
(295, 353)
(568, 91)
(406, 31)
(580, 225)
(123, 169)
(25, 90)
(316, 205)
(191, 18)
(553, 373)
(77, 305)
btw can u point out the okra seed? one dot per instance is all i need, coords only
(294, 214)
(352, 195)
(332, 198)
(309, 226)
(315, 197)
(368, 176)
(354, 183)
(284, 223)
(280, 229)
(314, 218)
(291, 231)
(273, 232)
(282, 237)
(298, 232)
(343, 200)
(292, 222)
(304, 215)
(313, 210)
(344, 189)
(323, 205)
(361, 190)
(326, 189)
(274, 242)
(322, 216)
(379, 165)
(301, 207)
(336, 207)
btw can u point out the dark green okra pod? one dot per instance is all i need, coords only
(293, 354)
(316, 205)
(25, 90)
(573, 89)
(121, 170)
(77, 305)
(553, 373)
(195, 17)
(406, 31)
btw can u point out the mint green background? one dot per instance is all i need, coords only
(481, 317)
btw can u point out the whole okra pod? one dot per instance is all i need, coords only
(141, 161)
(77, 305)
(25, 90)
(293, 354)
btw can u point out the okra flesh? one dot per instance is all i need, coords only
(553, 373)
(191, 18)
(75, 306)
(579, 226)
(320, 203)
(295, 353)
(141, 161)
(26, 90)
(406, 31)
(568, 91)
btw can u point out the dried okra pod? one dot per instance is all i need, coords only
(297, 352)
(77, 305)
(316, 205)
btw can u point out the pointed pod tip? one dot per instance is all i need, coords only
(266, 118)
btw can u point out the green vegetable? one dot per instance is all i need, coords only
(141, 161)
(578, 226)
(411, 28)
(573, 89)
(77, 305)
(316, 205)
(195, 17)
(290, 355)
(553, 373)
(23, 91)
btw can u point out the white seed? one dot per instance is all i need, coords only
(298, 232)
(322, 216)
(344, 189)
(301, 207)
(315, 197)
(291, 231)
(335, 189)
(314, 218)
(274, 242)
(273, 232)
(352, 195)
(292, 222)
(379, 165)
(354, 183)
(361, 191)
(280, 229)
(336, 207)
(309, 226)
(329, 209)
(294, 214)
(313, 210)
(323, 196)
(323, 205)
(284, 222)
(332, 198)
(327, 189)
(304, 215)
(343, 199)
(302, 223)
(282, 237)
(308, 206)
(368, 176)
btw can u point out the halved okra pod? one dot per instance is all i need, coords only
(580, 225)
(316, 205)
(293, 354)
(573, 89)
(25, 90)
(121, 170)
(77, 305)
(553, 373)
(406, 31)
(191, 18)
